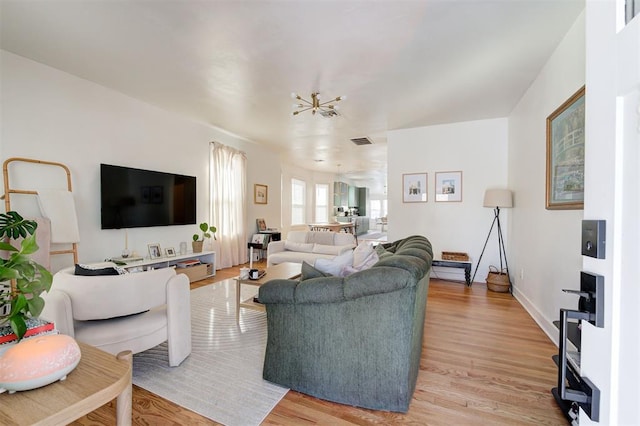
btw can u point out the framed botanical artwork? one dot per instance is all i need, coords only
(565, 155)
(414, 188)
(155, 251)
(260, 193)
(170, 252)
(448, 186)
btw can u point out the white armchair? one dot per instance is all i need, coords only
(134, 311)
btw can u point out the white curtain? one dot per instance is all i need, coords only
(228, 200)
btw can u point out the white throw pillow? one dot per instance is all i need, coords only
(362, 253)
(334, 266)
(300, 247)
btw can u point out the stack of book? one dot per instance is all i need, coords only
(35, 327)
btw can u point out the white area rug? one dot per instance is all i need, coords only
(222, 378)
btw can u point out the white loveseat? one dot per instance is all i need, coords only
(134, 311)
(300, 246)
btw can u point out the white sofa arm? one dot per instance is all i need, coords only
(275, 247)
(57, 309)
(178, 319)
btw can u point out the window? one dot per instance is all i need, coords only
(378, 208)
(322, 203)
(298, 197)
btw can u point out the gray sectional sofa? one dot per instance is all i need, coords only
(355, 340)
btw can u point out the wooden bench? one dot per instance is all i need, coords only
(466, 265)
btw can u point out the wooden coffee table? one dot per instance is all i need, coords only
(285, 271)
(99, 378)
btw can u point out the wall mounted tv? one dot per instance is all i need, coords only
(133, 198)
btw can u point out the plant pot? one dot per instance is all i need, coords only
(197, 246)
(498, 281)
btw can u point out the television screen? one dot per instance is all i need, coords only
(132, 198)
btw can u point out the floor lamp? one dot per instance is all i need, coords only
(496, 198)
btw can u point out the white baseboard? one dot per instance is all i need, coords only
(547, 326)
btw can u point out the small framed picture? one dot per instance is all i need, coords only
(414, 188)
(260, 193)
(170, 252)
(262, 225)
(154, 251)
(448, 186)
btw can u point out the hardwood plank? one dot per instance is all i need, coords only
(484, 361)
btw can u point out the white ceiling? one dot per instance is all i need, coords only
(234, 64)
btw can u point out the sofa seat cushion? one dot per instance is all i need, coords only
(123, 329)
(297, 257)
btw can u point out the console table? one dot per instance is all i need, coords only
(143, 264)
(99, 378)
(466, 265)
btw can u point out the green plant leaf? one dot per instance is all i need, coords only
(14, 226)
(7, 246)
(204, 227)
(7, 274)
(18, 325)
(29, 245)
(35, 305)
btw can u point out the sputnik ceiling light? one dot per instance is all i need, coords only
(315, 105)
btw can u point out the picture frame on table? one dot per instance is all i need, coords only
(414, 188)
(170, 252)
(261, 224)
(260, 193)
(565, 155)
(448, 186)
(155, 252)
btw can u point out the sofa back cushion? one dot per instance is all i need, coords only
(297, 236)
(321, 237)
(344, 238)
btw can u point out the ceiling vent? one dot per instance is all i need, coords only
(328, 113)
(361, 141)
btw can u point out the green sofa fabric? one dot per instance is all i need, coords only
(355, 340)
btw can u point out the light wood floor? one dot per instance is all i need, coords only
(484, 362)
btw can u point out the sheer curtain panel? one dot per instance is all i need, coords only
(228, 200)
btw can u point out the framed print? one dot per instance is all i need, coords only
(154, 251)
(262, 225)
(565, 155)
(448, 186)
(414, 188)
(260, 193)
(170, 252)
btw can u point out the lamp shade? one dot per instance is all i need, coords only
(498, 198)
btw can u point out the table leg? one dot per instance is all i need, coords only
(124, 400)
(467, 274)
(237, 301)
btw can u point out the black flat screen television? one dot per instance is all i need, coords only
(133, 198)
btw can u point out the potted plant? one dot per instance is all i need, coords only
(207, 232)
(24, 279)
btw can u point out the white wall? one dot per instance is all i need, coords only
(50, 115)
(479, 149)
(544, 244)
